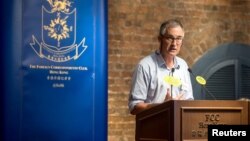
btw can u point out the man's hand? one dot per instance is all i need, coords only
(178, 97)
(139, 107)
(168, 96)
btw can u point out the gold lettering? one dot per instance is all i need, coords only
(212, 117)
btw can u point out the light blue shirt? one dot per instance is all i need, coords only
(150, 80)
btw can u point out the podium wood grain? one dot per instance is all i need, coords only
(187, 120)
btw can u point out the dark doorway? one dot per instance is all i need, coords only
(227, 71)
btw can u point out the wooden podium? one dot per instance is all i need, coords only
(182, 120)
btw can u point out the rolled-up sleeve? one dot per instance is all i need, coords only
(138, 92)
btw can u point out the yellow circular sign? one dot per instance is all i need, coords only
(173, 81)
(201, 80)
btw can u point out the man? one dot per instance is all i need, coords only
(162, 75)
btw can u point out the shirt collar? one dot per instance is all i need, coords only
(161, 61)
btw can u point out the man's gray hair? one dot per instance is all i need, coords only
(169, 24)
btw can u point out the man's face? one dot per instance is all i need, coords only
(171, 42)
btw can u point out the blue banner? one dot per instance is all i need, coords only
(56, 76)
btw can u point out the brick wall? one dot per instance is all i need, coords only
(133, 29)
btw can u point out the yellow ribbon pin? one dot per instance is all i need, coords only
(172, 81)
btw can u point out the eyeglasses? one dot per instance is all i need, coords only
(171, 39)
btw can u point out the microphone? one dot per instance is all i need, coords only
(178, 67)
(172, 74)
(171, 86)
(200, 80)
(173, 69)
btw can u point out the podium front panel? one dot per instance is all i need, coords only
(188, 120)
(197, 119)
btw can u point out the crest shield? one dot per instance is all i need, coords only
(58, 29)
(58, 33)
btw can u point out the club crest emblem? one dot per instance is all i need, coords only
(58, 32)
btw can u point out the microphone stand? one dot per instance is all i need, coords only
(207, 91)
(171, 86)
(203, 86)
